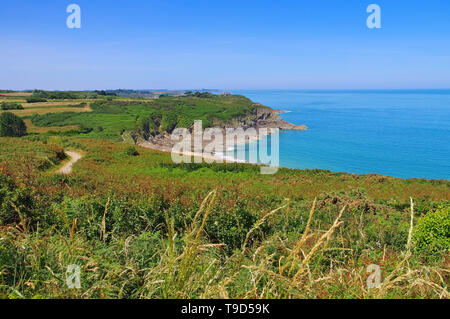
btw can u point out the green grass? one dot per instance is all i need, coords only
(11, 148)
(115, 117)
(16, 153)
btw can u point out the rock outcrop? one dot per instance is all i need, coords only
(262, 117)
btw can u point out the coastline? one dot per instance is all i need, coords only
(219, 157)
(213, 157)
(266, 118)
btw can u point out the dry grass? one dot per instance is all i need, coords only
(44, 110)
(35, 129)
(18, 94)
(295, 278)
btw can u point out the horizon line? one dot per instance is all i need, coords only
(236, 89)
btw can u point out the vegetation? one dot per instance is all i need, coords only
(12, 125)
(433, 231)
(36, 100)
(140, 226)
(199, 94)
(10, 106)
(61, 95)
(147, 118)
(143, 216)
(132, 151)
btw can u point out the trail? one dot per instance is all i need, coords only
(67, 168)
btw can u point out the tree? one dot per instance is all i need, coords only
(12, 125)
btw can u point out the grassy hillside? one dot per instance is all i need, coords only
(109, 119)
(140, 226)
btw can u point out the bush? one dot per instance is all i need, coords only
(169, 122)
(84, 129)
(58, 154)
(433, 232)
(35, 100)
(230, 226)
(11, 106)
(131, 151)
(18, 202)
(11, 125)
(81, 105)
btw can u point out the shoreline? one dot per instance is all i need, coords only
(269, 119)
(214, 157)
(219, 157)
(223, 159)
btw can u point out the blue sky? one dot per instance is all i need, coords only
(301, 44)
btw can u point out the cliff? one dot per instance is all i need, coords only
(260, 117)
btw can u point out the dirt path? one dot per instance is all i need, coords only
(67, 168)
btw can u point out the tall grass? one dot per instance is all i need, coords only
(186, 265)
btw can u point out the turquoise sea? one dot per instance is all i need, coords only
(402, 133)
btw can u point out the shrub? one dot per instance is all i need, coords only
(433, 232)
(81, 105)
(58, 154)
(131, 151)
(230, 226)
(169, 122)
(84, 129)
(35, 100)
(18, 203)
(11, 125)
(11, 106)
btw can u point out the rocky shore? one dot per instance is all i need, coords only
(269, 118)
(263, 118)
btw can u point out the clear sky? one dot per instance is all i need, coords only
(297, 44)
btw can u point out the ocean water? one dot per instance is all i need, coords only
(398, 133)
